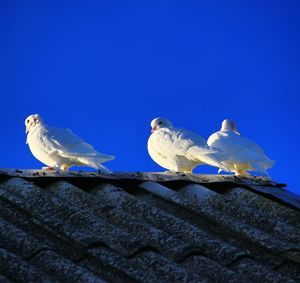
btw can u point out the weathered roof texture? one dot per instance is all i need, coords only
(88, 227)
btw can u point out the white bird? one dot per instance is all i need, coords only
(243, 154)
(60, 148)
(180, 150)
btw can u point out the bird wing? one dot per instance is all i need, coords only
(185, 143)
(176, 141)
(70, 145)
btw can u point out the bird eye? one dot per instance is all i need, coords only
(27, 121)
(159, 123)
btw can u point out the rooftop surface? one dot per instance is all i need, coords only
(146, 227)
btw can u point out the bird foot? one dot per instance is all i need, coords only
(49, 168)
(242, 174)
(52, 169)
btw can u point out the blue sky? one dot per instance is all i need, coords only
(105, 69)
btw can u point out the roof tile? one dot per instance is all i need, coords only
(146, 227)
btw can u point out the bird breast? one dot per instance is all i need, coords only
(39, 148)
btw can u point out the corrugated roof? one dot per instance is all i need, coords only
(146, 227)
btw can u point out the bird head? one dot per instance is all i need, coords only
(229, 125)
(31, 121)
(158, 123)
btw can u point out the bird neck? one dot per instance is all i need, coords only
(226, 129)
(36, 127)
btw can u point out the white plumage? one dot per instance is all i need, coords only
(60, 148)
(180, 150)
(243, 154)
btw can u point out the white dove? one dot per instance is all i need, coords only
(243, 154)
(60, 148)
(180, 150)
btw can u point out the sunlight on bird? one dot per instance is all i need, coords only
(180, 150)
(243, 154)
(60, 148)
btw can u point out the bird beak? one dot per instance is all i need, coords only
(153, 129)
(237, 132)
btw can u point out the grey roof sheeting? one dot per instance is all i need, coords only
(146, 227)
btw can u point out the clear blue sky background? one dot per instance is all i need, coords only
(105, 69)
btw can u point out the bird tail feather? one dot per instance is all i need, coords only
(209, 156)
(95, 162)
(270, 163)
(261, 167)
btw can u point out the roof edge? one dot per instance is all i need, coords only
(143, 176)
